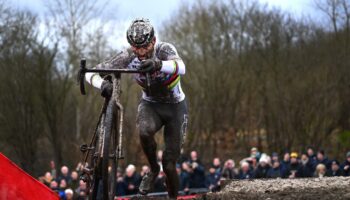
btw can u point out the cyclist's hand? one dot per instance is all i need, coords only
(150, 66)
(106, 88)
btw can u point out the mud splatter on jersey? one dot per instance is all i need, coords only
(165, 84)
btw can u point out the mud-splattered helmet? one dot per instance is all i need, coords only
(140, 32)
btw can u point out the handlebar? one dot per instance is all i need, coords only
(83, 70)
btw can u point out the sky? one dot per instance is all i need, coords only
(156, 10)
(121, 12)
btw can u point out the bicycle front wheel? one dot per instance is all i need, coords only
(109, 160)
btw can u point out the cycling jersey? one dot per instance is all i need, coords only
(165, 85)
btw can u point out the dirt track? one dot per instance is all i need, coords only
(311, 188)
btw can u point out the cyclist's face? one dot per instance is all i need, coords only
(144, 52)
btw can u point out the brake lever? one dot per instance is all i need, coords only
(81, 75)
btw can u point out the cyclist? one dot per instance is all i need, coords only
(164, 105)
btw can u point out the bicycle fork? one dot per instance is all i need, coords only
(120, 152)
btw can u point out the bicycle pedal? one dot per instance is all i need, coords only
(83, 148)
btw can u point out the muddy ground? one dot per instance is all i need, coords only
(310, 188)
(287, 189)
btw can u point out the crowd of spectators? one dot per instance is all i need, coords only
(193, 174)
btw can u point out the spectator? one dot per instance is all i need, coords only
(228, 172)
(312, 157)
(159, 184)
(285, 164)
(306, 167)
(320, 170)
(276, 170)
(74, 183)
(69, 194)
(64, 175)
(346, 165)
(212, 179)
(144, 170)
(311, 153)
(81, 192)
(194, 158)
(47, 179)
(253, 163)
(263, 168)
(255, 153)
(121, 186)
(55, 188)
(196, 175)
(53, 169)
(184, 176)
(274, 157)
(132, 180)
(322, 159)
(294, 168)
(217, 165)
(245, 171)
(63, 185)
(335, 169)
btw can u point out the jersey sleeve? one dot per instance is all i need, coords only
(171, 61)
(121, 60)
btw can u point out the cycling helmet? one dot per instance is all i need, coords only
(140, 33)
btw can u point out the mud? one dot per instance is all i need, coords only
(269, 189)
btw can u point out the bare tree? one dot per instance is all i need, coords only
(21, 56)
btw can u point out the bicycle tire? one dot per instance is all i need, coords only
(96, 163)
(109, 148)
(96, 182)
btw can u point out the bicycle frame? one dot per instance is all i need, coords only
(118, 152)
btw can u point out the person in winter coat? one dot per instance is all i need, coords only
(262, 169)
(275, 171)
(345, 167)
(306, 166)
(245, 172)
(212, 179)
(132, 179)
(228, 172)
(184, 176)
(320, 171)
(197, 175)
(285, 164)
(335, 169)
(312, 157)
(217, 165)
(322, 159)
(294, 169)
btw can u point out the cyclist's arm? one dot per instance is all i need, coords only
(171, 61)
(121, 60)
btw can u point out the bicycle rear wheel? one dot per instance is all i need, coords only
(109, 160)
(96, 162)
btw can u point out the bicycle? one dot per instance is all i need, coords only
(107, 139)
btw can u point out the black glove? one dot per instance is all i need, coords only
(150, 66)
(106, 89)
